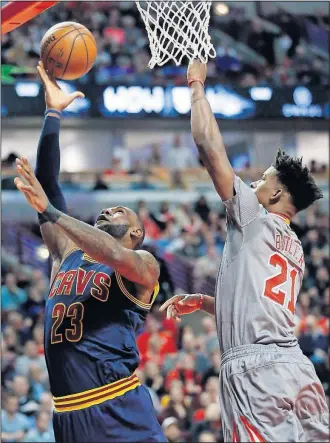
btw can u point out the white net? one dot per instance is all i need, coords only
(177, 29)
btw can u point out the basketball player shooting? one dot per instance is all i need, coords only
(102, 288)
(269, 390)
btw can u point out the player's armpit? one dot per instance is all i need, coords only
(244, 206)
(208, 140)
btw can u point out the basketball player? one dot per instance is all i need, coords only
(101, 291)
(269, 390)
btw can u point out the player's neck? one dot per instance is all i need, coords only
(282, 216)
(285, 214)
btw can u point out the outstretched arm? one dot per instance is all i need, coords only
(137, 266)
(47, 171)
(186, 304)
(206, 134)
(48, 161)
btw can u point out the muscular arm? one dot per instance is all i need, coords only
(137, 266)
(208, 140)
(47, 172)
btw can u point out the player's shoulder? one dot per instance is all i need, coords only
(149, 260)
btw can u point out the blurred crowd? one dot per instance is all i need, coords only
(180, 364)
(124, 50)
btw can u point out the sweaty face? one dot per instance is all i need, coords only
(116, 221)
(267, 187)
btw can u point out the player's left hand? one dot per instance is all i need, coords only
(196, 71)
(29, 185)
(181, 305)
(54, 96)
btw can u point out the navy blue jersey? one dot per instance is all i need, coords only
(91, 322)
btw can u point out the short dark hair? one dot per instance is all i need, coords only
(297, 179)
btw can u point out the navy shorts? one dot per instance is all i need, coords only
(128, 418)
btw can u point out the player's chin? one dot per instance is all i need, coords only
(102, 225)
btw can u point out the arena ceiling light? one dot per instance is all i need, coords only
(221, 9)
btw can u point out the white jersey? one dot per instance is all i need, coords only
(260, 275)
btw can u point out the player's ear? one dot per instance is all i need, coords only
(276, 195)
(136, 234)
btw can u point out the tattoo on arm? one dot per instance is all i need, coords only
(137, 266)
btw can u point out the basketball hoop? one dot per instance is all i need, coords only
(177, 29)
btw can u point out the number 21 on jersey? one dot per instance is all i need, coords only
(286, 274)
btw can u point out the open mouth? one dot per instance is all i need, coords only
(102, 218)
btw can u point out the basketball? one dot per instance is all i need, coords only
(68, 50)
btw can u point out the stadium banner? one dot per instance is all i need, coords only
(26, 98)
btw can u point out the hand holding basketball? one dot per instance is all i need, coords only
(196, 72)
(181, 305)
(54, 96)
(30, 187)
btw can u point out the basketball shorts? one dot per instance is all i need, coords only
(128, 418)
(271, 393)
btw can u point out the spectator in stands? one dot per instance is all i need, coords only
(100, 185)
(209, 337)
(67, 184)
(14, 424)
(42, 433)
(177, 180)
(46, 402)
(212, 388)
(202, 208)
(171, 430)
(214, 369)
(262, 41)
(212, 423)
(290, 25)
(179, 156)
(312, 339)
(9, 161)
(22, 389)
(144, 182)
(30, 356)
(207, 265)
(156, 156)
(207, 437)
(123, 156)
(12, 297)
(153, 378)
(123, 52)
(38, 381)
(176, 407)
(186, 245)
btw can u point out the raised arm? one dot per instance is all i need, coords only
(206, 134)
(137, 266)
(48, 161)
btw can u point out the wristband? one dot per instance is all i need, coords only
(192, 81)
(51, 214)
(200, 303)
(54, 111)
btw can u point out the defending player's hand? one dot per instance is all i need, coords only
(30, 186)
(181, 305)
(196, 71)
(54, 96)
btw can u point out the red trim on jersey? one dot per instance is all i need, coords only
(254, 435)
(283, 217)
(235, 438)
